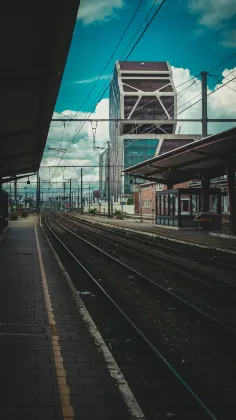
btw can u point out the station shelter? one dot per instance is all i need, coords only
(203, 160)
(178, 207)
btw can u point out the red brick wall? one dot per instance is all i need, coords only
(148, 197)
(182, 185)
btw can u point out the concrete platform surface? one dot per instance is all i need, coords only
(50, 366)
(191, 236)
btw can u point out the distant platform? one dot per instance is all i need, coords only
(187, 236)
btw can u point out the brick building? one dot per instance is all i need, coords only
(144, 196)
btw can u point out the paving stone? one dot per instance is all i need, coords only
(27, 354)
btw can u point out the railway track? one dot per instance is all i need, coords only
(223, 316)
(194, 407)
(186, 269)
(155, 242)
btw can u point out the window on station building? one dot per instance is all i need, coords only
(147, 204)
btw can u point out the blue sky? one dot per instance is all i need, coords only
(192, 35)
(196, 35)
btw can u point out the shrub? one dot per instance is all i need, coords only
(116, 212)
(93, 211)
(14, 216)
(130, 201)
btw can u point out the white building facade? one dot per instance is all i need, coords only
(142, 93)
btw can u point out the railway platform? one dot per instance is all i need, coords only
(50, 361)
(191, 237)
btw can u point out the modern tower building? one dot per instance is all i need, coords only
(141, 93)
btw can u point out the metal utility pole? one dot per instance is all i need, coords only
(78, 198)
(15, 191)
(204, 103)
(89, 198)
(39, 196)
(81, 189)
(70, 196)
(108, 178)
(64, 192)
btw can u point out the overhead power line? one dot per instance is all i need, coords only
(217, 78)
(138, 40)
(112, 55)
(118, 44)
(185, 109)
(223, 62)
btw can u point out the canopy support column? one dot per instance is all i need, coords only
(205, 194)
(230, 170)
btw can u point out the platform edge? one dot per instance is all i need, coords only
(124, 389)
(157, 235)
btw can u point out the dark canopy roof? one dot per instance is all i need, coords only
(205, 157)
(35, 40)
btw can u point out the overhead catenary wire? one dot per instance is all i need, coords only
(164, 120)
(217, 78)
(191, 105)
(111, 57)
(209, 94)
(156, 126)
(223, 62)
(138, 40)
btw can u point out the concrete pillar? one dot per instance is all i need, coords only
(205, 194)
(230, 170)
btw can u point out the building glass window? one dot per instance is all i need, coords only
(166, 205)
(136, 151)
(146, 204)
(172, 207)
(158, 206)
(162, 205)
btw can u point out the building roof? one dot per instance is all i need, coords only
(205, 157)
(36, 38)
(144, 65)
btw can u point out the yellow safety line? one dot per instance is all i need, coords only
(67, 408)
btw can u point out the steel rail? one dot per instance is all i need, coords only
(129, 320)
(163, 289)
(151, 243)
(165, 260)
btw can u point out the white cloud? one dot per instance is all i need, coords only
(93, 79)
(229, 40)
(91, 11)
(221, 104)
(81, 151)
(213, 12)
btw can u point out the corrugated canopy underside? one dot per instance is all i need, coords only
(35, 40)
(205, 157)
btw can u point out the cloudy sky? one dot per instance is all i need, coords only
(193, 35)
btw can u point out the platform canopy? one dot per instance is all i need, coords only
(205, 157)
(35, 41)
